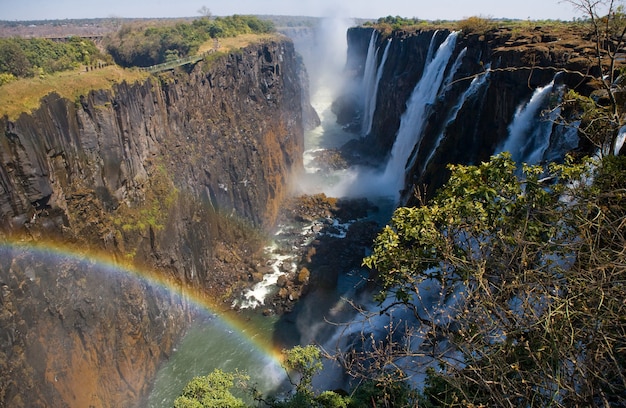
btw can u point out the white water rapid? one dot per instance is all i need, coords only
(325, 57)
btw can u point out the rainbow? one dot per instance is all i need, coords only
(232, 322)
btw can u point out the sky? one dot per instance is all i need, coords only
(423, 9)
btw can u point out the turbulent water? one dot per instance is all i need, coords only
(211, 343)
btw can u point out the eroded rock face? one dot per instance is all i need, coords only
(178, 174)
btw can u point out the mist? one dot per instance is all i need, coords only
(324, 52)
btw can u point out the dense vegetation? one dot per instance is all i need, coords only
(530, 273)
(22, 57)
(137, 45)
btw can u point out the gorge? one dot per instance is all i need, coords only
(183, 174)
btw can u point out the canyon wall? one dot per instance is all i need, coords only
(179, 174)
(517, 63)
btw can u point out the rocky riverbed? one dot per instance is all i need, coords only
(318, 237)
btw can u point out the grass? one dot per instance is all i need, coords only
(24, 95)
(234, 43)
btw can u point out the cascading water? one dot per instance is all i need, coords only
(369, 77)
(412, 121)
(431, 48)
(477, 83)
(372, 92)
(455, 67)
(529, 132)
(207, 345)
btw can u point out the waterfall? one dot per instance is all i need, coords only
(369, 78)
(476, 84)
(443, 88)
(370, 99)
(529, 133)
(412, 120)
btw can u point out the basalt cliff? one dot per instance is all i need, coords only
(464, 123)
(180, 175)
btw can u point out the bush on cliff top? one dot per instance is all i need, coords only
(476, 25)
(25, 57)
(137, 45)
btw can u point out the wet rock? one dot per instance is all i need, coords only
(256, 277)
(337, 241)
(282, 281)
(329, 160)
(482, 125)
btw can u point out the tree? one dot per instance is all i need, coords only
(13, 60)
(211, 391)
(515, 287)
(306, 362)
(607, 23)
(204, 11)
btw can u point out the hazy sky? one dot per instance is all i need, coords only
(426, 9)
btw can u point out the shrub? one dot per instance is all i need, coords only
(211, 391)
(476, 25)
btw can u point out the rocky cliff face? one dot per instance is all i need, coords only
(519, 62)
(177, 174)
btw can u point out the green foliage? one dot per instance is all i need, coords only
(390, 23)
(146, 46)
(330, 399)
(306, 361)
(484, 204)
(5, 78)
(398, 21)
(13, 59)
(211, 391)
(383, 394)
(597, 123)
(24, 57)
(150, 213)
(438, 392)
(540, 263)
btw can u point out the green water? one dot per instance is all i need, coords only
(210, 344)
